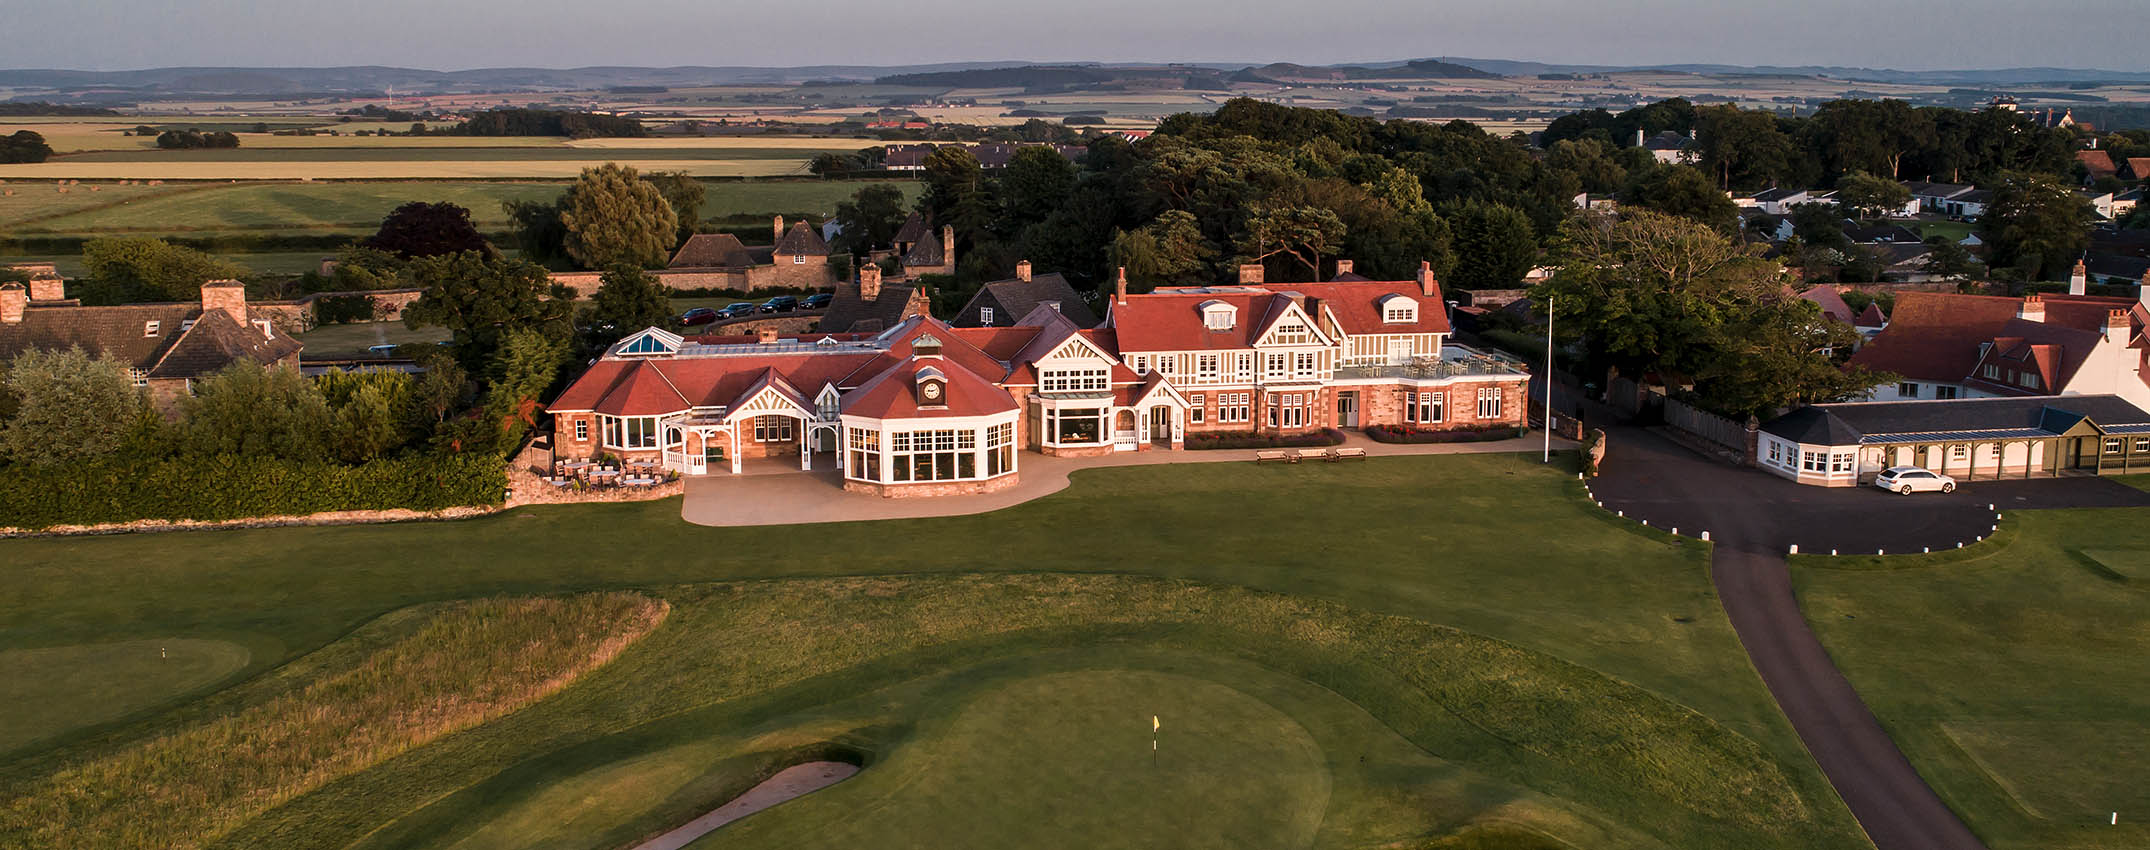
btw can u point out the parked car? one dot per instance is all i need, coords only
(382, 350)
(780, 304)
(816, 301)
(698, 316)
(736, 309)
(1911, 479)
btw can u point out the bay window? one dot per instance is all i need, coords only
(1081, 426)
(865, 448)
(945, 455)
(630, 432)
(1000, 449)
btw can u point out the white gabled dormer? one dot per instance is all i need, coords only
(828, 403)
(1219, 316)
(1397, 308)
(649, 342)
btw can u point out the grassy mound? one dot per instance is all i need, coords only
(473, 662)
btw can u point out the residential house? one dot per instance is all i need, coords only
(797, 258)
(1002, 303)
(165, 348)
(925, 408)
(2100, 202)
(925, 255)
(1878, 234)
(1945, 346)
(2136, 168)
(990, 155)
(1779, 202)
(1831, 303)
(1843, 445)
(2125, 202)
(1669, 147)
(2097, 164)
(873, 305)
(2115, 269)
(1947, 198)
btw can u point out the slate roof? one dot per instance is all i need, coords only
(1871, 317)
(802, 238)
(915, 228)
(1775, 194)
(213, 342)
(1944, 191)
(928, 252)
(712, 250)
(1013, 299)
(1879, 233)
(1933, 421)
(849, 312)
(2108, 265)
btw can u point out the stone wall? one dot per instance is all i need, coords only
(813, 274)
(932, 488)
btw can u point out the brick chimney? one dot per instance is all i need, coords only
(12, 302)
(765, 335)
(2142, 290)
(1022, 271)
(948, 246)
(1251, 273)
(2033, 309)
(777, 233)
(48, 288)
(869, 282)
(226, 295)
(2078, 279)
(1119, 287)
(2117, 326)
(1343, 267)
(1427, 286)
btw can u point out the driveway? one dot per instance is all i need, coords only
(1752, 517)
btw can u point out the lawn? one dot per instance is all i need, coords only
(1955, 230)
(353, 338)
(2013, 676)
(1482, 656)
(279, 207)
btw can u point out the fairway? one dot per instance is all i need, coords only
(71, 687)
(2011, 675)
(358, 207)
(1485, 660)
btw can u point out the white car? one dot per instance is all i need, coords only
(1911, 479)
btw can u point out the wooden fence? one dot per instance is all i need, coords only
(1708, 426)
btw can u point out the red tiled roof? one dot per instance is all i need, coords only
(1000, 343)
(890, 395)
(1831, 302)
(2055, 352)
(1357, 305)
(1172, 320)
(1871, 317)
(1936, 336)
(2098, 163)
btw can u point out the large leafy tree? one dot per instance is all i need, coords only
(1300, 234)
(614, 216)
(256, 411)
(1866, 196)
(1035, 182)
(68, 407)
(684, 193)
(1872, 136)
(540, 233)
(1169, 251)
(1591, 161)
(628, 300)
(420, 229)
(1683, 191)
(2036, 224)
(133, 268)
(480, 299)
(24, 146)
(1494, 245)
(957, 192)
(1741, 147)
(1649, 291)
(871, 218)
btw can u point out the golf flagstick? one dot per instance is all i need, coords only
(1154, 724)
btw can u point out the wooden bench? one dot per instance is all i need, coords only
(1347, 453)
(1267, 455)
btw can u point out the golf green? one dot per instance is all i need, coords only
(71, 687)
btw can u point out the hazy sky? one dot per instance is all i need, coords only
(457, 34)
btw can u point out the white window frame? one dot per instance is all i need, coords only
(1195, 403)
(1489, 402)
(138, 376)
(1075, 379)
(582, 430)
(772, 429)
(1234, 407)
(985, 316)
(630, 433)
(151, 328)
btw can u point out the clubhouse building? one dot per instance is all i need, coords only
(923, 408)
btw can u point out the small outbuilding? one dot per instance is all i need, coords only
(1842, 445)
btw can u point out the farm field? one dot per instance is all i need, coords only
(358, 207)
(2011, 675)
(1487, 661)
(266, 262)
(401, 168)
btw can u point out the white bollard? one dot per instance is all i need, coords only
(1881, 551)
(1620, 513)
(1675, 531)
(1959, 544)
(1832, 553)
(1927, 550)
(1646, 523)
(1705, 537)
(1795, 548)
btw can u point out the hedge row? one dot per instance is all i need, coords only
(1408, 434)
(1253, 440)
(222, 488)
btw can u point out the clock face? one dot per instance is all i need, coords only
(932, 392)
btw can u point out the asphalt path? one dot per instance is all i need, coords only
(1754, 518)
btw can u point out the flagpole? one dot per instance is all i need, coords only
(1547, 456)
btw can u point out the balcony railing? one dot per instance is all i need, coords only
(1455, 362)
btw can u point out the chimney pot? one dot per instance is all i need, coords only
(1343, 267)
(765, 336)
(1427, 286)
(2078, 279)
(1119, 287)
(2033, 309)
(870, 282)
(226, 295)
(47, 287)
(1251, 273)
(1022, 271)
(12, 302)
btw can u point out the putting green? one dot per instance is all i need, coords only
(72, 687)
(1064, 760)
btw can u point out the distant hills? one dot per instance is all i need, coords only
(94, 87)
